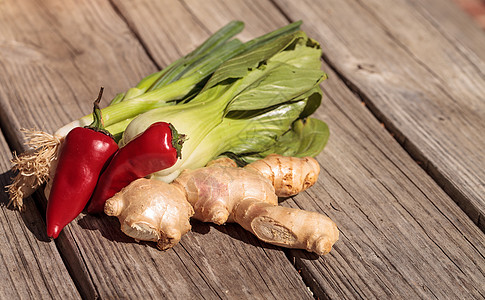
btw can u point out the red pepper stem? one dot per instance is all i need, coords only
(97, 119)
(98, 124)
(177, 140)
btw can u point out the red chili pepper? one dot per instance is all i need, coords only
(83, 155)
(157, 148)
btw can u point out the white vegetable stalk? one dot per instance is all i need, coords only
(130, 108)
(194, 120)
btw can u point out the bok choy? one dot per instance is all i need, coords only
(254, 103)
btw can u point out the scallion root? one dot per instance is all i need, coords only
(32, 167)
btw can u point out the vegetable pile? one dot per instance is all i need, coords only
(244, 101)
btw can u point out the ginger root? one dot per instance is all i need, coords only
(289, 175)
(151, 210)
(221, 193)
(215, 191)
(287, 227)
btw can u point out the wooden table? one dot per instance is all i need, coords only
(403, 174)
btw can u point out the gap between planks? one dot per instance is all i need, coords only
(135, 34)
(143, 44)
(77, 269)
(66, 245)
(412, 149)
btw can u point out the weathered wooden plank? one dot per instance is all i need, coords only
(53, 72)
(355, 261)
(421, 74)
(63, 52)
(454, 24)
(259, 17)
(401, 235)
(210, 262)
(158, 27)
(50, 75)
(31, 267)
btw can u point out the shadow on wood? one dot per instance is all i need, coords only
(30, 216)
(235, 231)
(109, 227)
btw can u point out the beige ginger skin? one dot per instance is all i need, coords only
(152, 210)
(221, 193)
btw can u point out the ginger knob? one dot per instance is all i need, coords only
(151, 210)
(289, 175)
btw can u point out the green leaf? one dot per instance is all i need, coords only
(118, 98)
(207, 64)
(256, 131)
(218, 38)
(314, 99)
(207, 50)
(285, 30)
(274, 84)
(307, 137)
(276, 79)
(241, 65)
(303, 52)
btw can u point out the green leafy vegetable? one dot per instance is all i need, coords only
(243, 100)
(248, 104)
(307, 137)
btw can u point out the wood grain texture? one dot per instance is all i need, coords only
(421, 73)
(30, 265)
(161, 34)
(210, 262)
(57, 55)
(63, 53)
(401, 235)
